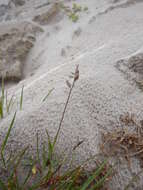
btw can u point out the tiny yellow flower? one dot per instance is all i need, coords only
(34, 170)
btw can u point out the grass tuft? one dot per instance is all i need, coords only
(44, 171)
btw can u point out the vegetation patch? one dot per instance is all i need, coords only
(73, 12)
(21, 171)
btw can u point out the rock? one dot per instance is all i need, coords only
(4, 7)
(63, 52)
(4, 2)
(132, 67)
(18, 2)
(53, 15)
(15, 44)
(76, 33)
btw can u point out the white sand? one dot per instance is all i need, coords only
(101, 95)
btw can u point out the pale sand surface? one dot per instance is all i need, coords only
(109, 31)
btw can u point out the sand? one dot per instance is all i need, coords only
(107, 33)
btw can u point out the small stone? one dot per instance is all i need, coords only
(63, 52)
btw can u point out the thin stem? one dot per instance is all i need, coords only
(63, 114)
(76, 77)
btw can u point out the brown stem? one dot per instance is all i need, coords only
(76, 76)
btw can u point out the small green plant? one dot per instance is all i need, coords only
(76, 8)
(73, 12)
(74, 17)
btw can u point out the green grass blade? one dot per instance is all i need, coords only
(8, 104)
(1, 108)
(27, 177)
(2, 185)
(37, 148)
(100, 183)
(73, 179)
(6, 99)
(15, 165)
(44, 158)
(92, 178)
(21, 98)
(50, 91)
(3, 90)
(50, 147)
(10, 157)
(22, 153)
(8, 133)
(66, 179)
(6, 139)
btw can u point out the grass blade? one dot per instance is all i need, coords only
(8, 104)
(100, 183)
(1, 108)
(44, 158)
(3, 90)
(8, 133)
(27, 177)
(37, 148)
(50, 147)
(20, 157)
(50, 91)
(6, 139)
(2, 186)
(92, 178)
(76, 77)
(21, 98)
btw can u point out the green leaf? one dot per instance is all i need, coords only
(92, 178)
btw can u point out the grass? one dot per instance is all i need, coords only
(6, 103)
(45, 98)
(2, 100)
(21, 98)
(22, 171)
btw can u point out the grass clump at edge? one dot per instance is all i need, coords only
(7, 104)
(42, 172)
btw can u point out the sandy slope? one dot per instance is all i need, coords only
(109, 32)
